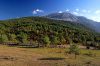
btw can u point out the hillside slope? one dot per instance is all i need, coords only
(78, 19)
(43, 31)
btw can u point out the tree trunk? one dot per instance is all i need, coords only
(75, 56)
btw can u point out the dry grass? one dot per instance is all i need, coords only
(13, 56)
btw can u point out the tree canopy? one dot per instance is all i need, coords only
(47, 31)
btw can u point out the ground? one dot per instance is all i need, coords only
(15, 56)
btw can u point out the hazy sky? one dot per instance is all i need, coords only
(20, 8)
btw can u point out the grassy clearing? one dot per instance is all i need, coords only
(14, 56)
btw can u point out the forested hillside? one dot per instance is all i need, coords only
(46, 32)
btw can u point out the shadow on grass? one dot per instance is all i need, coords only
(52, 58)
(7, 58)
(27, 47)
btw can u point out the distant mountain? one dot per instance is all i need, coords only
(63, 16)
(73, 18)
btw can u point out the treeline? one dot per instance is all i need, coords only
(46, 32)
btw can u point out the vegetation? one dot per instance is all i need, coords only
(46, 32)
(42, 32)
(14, 56)
(74, 49)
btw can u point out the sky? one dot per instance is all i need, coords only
(21, 8)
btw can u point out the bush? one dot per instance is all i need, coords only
(74, 49)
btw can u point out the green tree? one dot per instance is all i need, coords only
(3, 38)
(46, 40)
(74, 49)
(55, 40)
(62, 39)
(19, 38)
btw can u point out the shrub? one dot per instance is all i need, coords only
(74, 49)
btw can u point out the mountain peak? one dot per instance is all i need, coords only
(66, 16)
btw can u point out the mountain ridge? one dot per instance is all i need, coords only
(66, 16)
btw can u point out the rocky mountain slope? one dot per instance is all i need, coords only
(73, 18)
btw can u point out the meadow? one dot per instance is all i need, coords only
(15, 56)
